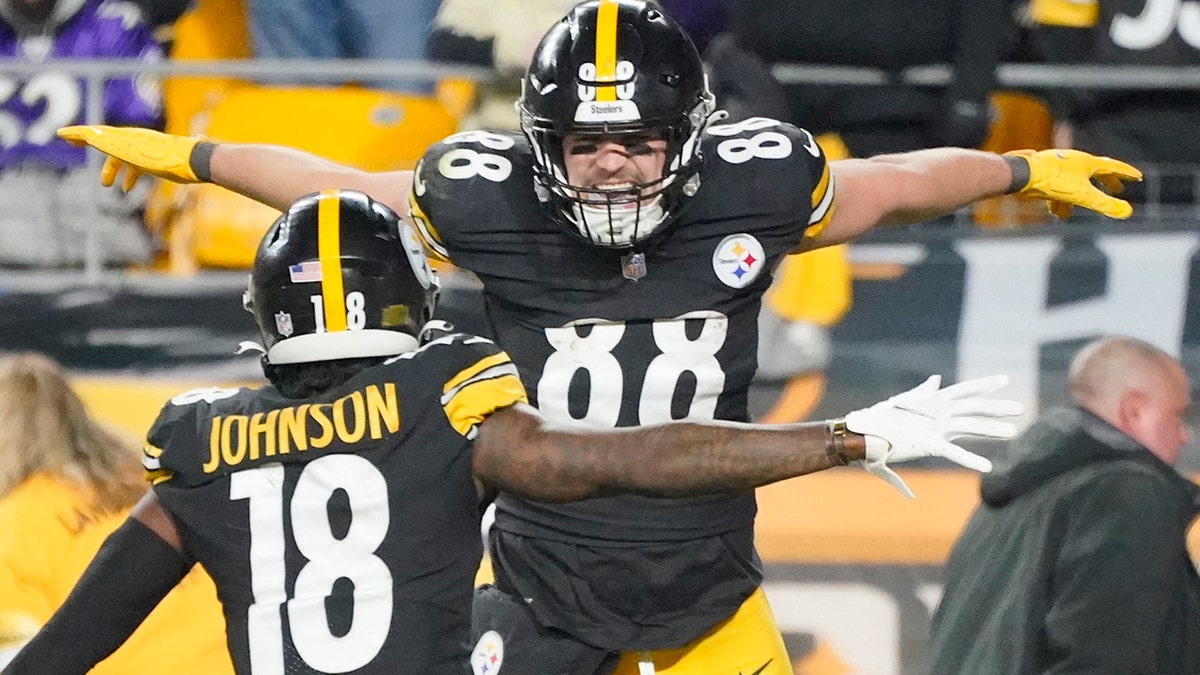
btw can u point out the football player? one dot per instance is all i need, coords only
(338, 509)
(624, 242)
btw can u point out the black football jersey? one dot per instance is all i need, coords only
(599, 349)
(342, 530)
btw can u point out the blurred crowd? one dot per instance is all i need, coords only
(49, 202)
(53, 213)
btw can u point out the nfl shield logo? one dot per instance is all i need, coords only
(283, 324)
(633, 266)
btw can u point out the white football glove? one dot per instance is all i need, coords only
(922, 421)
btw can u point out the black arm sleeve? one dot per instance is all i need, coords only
(130, 574)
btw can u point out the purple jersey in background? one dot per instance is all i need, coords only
(701, 19)
(34, 107)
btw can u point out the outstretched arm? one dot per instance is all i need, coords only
(271, 174)
(278, 176)
(915, 186)
(137, 566)
(909, 188)
(518, 450)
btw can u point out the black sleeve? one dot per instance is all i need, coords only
(742, 82)
(130, 574)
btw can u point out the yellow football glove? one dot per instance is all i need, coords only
(132, 151)
(1064, 179)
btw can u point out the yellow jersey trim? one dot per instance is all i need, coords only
(473, 370)
(425, 230)
(476, 400)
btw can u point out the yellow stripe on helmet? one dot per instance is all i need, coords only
(329, 252)
(606, 49)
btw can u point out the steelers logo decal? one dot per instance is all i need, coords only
(488, 654)
(738, 260)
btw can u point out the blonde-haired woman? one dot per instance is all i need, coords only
(66, 482)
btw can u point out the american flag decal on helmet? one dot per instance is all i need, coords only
(305, 272)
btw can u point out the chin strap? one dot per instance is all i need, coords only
(434, 329)
(249, 346)
(601, 224)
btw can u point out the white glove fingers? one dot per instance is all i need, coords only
(985, 407)
(977, 426)
(973, 387)
(926, 388)
(962, 457)
(881, 470)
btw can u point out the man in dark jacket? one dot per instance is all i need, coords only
(1076, 559)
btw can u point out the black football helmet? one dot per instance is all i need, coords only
(613, 67)
(339, 276)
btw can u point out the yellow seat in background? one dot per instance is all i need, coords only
(1019, 121)
(206, 226)
(209, 30)
(369, 129)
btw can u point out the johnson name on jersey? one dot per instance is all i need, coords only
(342, 530)
(604, 348)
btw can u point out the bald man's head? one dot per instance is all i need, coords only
(1136, 387)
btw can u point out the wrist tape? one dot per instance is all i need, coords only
(200, 160)
(1020, 173)
(835, 442)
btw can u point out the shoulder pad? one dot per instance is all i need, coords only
(478, 378)
(458, 174)
(760, 151)
(180, 414)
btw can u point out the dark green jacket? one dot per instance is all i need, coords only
(1075, 562)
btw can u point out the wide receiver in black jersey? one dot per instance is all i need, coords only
(624, 242)
(338, 509)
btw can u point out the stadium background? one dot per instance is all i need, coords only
(853, 568)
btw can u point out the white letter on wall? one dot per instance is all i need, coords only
(1005, 320)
